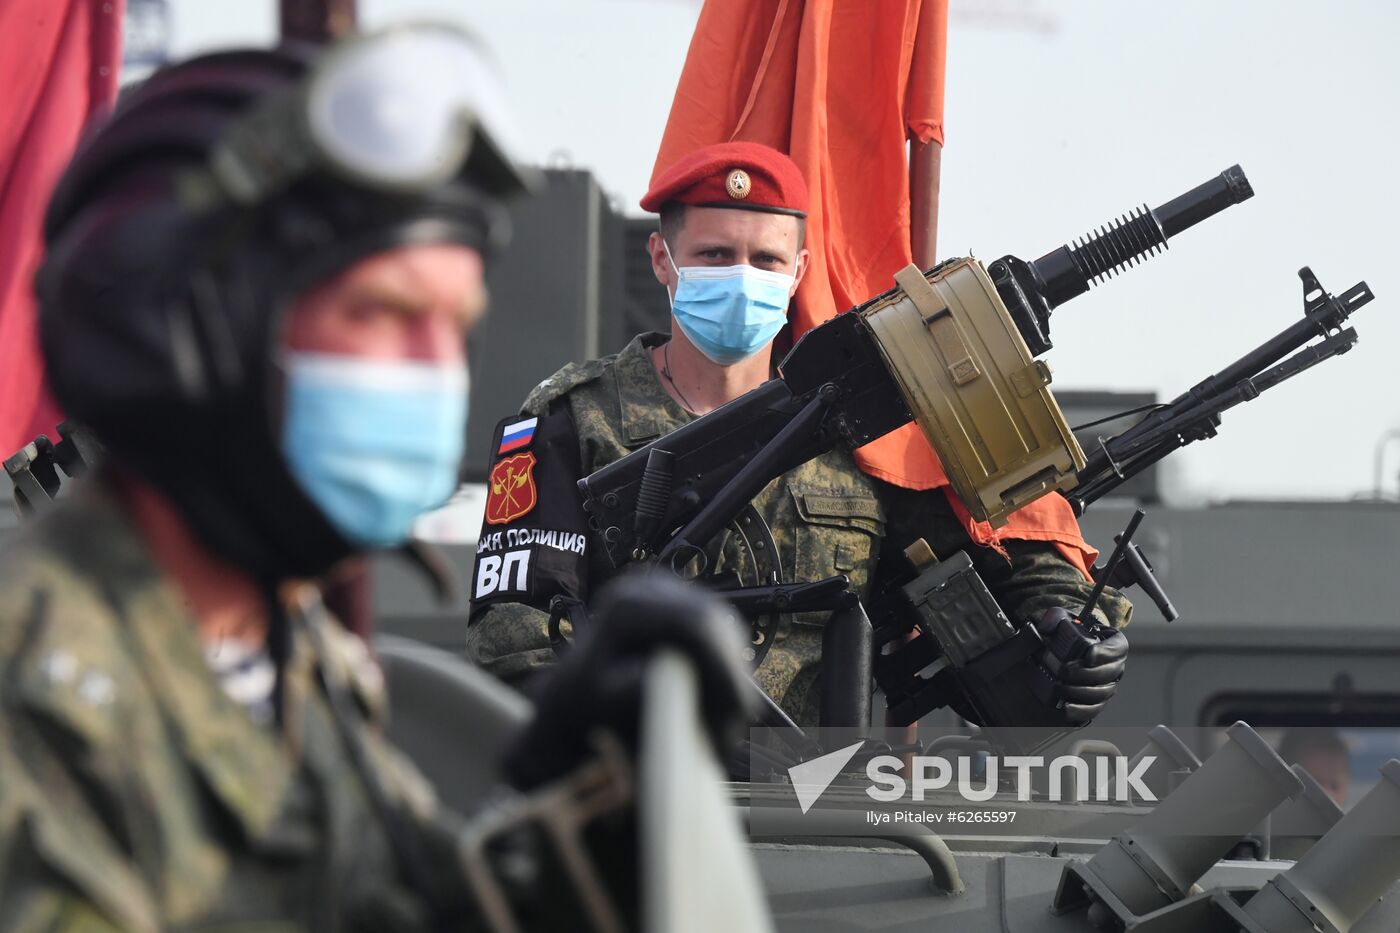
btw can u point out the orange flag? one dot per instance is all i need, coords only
(842, 86)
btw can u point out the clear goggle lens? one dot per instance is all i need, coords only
(399, 110)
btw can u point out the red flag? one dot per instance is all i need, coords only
(58, 65)
(842, 86)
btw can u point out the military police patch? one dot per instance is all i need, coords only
(512, 489)
(534, 537)
(501, 574)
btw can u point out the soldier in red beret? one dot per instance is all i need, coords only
(729, 253)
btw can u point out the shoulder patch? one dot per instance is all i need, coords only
(68, 667)
(74, 694)
(516, 435)
(511, 492)
(533, 543)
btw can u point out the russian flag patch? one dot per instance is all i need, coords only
(517, 435)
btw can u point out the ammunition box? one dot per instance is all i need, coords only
(980, 398)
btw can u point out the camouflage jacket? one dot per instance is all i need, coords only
(826, 516)
(136, 795)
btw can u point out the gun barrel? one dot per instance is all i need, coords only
(1322, 315)
(1205, 200)
(1066, 272)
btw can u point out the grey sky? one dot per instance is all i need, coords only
(1059, 117)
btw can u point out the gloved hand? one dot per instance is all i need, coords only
(1085, 664)
(598, 683)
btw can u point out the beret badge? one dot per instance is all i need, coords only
(738, 184)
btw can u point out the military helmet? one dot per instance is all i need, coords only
(217, 191)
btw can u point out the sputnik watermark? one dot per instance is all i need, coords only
(1116, 779)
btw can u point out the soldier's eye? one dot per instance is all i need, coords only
(367, 311)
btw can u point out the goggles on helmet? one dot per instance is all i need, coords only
(399, 111)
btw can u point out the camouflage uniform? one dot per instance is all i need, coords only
(827, 517)
(136, 795)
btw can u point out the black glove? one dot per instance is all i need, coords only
(1085, 663)
(598, 683)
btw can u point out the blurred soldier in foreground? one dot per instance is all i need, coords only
(262, 272)
(729, 253)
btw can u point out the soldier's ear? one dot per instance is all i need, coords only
(660, 261)
(804, 257)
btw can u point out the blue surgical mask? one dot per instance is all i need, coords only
(729, 312)
(374, 444)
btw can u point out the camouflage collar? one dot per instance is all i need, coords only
(647, 409)
(244, 765)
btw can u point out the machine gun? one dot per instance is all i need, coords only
(975, 659)
(953, 349)
(1195, 414)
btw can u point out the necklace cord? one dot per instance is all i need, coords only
(666, 371)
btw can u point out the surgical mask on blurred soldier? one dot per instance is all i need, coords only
(374, 443)
(730, 312)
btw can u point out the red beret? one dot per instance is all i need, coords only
(750, 176)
